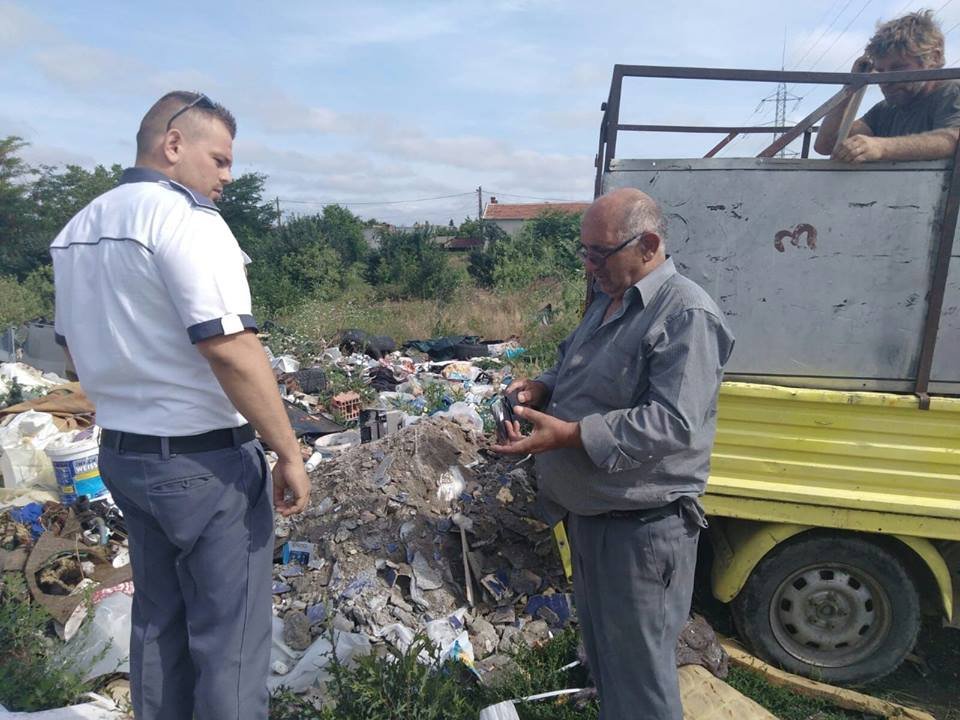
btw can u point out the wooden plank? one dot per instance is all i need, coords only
(841, 697)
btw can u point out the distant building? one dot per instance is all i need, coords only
(464, 244)
(510, 217)
(373, 233)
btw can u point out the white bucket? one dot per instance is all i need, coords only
(76, 469)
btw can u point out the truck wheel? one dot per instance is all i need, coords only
(838, 609)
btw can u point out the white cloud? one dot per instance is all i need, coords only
(18, 27)
(82, 66)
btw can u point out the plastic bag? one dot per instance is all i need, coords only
(306, 668)
(107, 632)
(22, 459)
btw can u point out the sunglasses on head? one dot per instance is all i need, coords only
(200, 100)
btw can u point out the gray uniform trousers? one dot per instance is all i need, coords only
(633, 584)
(201, 547)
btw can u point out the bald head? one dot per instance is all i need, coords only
(194, 121)
(622, 235)
(627, 213)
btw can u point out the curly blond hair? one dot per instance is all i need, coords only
(916, 35)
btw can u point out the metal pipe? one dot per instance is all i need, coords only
(938, 285)
(789, 76)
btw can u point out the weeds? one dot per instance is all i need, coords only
(33, 675)
(781, 702)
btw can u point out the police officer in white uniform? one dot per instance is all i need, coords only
(153, 305)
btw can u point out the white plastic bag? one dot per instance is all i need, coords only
(464, 413)
(306, 668)
(22, 460)
(109, 628)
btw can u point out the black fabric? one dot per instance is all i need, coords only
(376, 346)
(466, 351)
(311, 380)
(939, 108)
(382, 379)
(205, 442)
(442, 348)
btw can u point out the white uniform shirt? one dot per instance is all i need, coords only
(141, 274)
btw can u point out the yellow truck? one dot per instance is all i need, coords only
(834, 495)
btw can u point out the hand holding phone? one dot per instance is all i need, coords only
(502, 409)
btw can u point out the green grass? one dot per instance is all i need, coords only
(33, 674)
(396, 685)
(783, 703)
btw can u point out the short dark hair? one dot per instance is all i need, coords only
(155, 122)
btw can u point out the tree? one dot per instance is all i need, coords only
(544, 247)
(243, 208)
(14, 204)
(344, 232)
(410, 264)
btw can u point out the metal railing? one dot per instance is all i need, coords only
(853, 86)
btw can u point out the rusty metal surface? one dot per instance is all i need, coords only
(822, 269)
(940, 272)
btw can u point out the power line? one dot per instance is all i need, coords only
(823, 33)
(840, 34)
(377, 202)
(526, 197)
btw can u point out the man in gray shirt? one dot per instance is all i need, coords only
(623, 449)
(915, 120)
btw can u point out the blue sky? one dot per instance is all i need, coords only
(365, 102)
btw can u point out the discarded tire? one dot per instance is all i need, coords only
(835, 608)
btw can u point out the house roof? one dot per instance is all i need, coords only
(467, 243)
(528, 211)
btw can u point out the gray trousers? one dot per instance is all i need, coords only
(201, 548)
(633, 583)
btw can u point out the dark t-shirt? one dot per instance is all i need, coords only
(939, 108)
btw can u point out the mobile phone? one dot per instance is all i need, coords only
(502, 409)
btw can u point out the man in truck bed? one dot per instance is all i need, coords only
(915, 120)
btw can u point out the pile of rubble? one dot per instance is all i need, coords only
(422, 531)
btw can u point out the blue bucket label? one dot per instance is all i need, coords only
(79, 477)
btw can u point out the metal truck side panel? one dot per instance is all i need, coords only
(822, 269)
(850, 460)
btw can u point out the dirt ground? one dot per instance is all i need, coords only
(932, 682)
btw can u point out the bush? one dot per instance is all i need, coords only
(412, 265)
(32, 675)
(22, 302)
(545, 247)
(398, 685)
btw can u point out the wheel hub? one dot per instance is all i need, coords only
(829, 615)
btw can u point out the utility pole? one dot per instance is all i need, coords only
(781, 98)
(480, 212)
(279, 216)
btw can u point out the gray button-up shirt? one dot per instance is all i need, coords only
(643, 385)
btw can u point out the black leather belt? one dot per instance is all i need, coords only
(178, 445)
(645, 515)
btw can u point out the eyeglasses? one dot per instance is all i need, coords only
(200, 99)
(598, 257)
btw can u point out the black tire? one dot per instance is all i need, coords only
(839, 609)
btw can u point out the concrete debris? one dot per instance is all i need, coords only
(390, 518)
